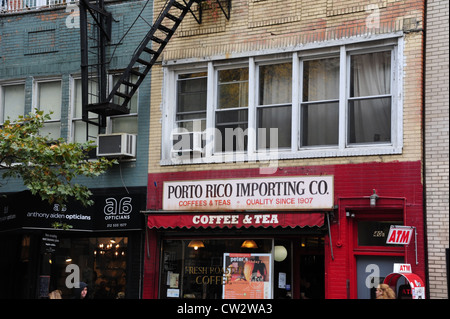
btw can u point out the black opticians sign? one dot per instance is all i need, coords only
(109, 212)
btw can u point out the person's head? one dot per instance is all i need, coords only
(385, 292)
(81, 291)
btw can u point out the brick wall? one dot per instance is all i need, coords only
(436, 144)
(252, 31)
(45, 43)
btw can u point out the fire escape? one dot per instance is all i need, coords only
(95, 36)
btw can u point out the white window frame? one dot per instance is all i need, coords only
(73, 118)
(342, 49)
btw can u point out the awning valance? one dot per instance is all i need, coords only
(234, 220)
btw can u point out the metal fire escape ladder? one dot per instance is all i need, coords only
(142, 60)
(149, 50)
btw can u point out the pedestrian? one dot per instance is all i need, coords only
(81, 291)
(385, 292)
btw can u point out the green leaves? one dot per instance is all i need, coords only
(47, 167)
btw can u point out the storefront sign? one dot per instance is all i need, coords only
(402, 268)
(109, 212)
(277, 193)
(248, 276)
(237, 220)
(399, 235)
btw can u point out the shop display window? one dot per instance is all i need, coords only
(102, 264)
(205, 268)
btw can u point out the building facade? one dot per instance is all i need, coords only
(436, 147)
(40, 68)
(286, 145)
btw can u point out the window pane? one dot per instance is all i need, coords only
(13, 101)
(125, 124)
(275, 84)
(49, 98)
(132, 104)
(191, 101)
(79, 131)
(320, 124)
(192, 94)
(232, 126)
(321, 80)
(233, 88)
(370, 120)
(274, 120)
(370, 74)
(51, 129)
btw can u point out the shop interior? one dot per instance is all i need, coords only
(232, 268)
(101, 262)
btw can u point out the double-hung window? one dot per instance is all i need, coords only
(48, 95)
(340, 101)
(12, 101)
(191, 101)
(274, 108)
(370, 99)
(320, 103)
(82, 131)
(232, 110)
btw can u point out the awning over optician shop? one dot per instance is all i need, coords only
(165, 220)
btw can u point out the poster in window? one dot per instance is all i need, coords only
(247, 276)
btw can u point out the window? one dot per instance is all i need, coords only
(341, 101)
(369, 104)
(232, 110)
(191, 101)
(320, 103)
(12, 102)
(81, 133)
(124, 123)
(274, 106)
(48, 99)
(115, 124)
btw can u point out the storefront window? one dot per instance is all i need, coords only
(205, 268)
(102, 264)
(216, 268)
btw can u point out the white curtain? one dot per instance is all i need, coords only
(370, 119)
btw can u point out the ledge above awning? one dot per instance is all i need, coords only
(168, 220)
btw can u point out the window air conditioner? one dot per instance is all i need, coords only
(187, 143)
(116, 145)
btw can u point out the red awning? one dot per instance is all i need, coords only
(230, 220)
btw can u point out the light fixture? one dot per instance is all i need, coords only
(249, 244)
(68, 259)
(373, 198)
(280, 253)
(196, 244)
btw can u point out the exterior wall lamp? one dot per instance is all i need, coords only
(373, 198)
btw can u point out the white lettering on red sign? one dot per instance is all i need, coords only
(255, 219)
(399, 235)
(402, 268)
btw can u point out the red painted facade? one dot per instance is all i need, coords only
(398, 185)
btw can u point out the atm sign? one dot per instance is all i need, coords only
(399, 235)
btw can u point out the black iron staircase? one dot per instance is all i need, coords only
(116, 102)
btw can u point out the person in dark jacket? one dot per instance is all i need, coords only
(81, 291)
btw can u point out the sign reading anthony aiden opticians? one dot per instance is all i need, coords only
(276, 193)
